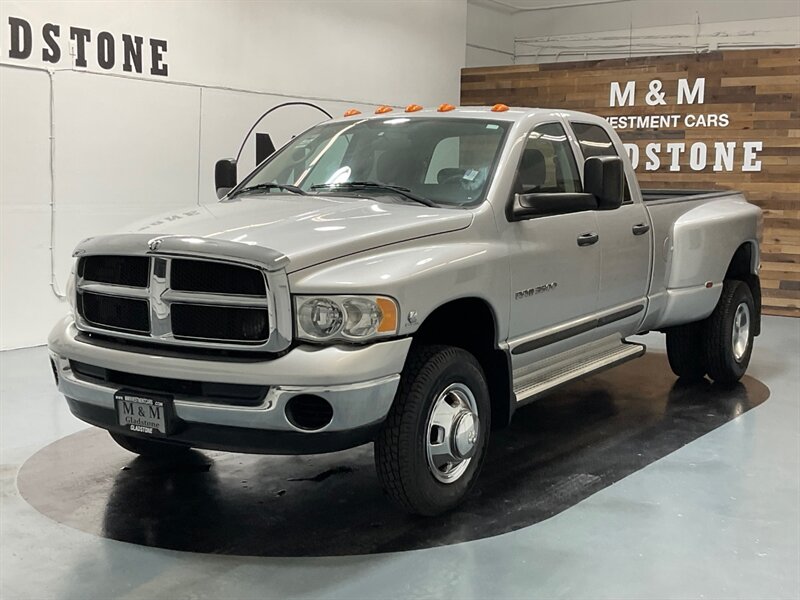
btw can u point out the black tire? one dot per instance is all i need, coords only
(150, 448)
(723, 364)
(401, 455)
(686, 351)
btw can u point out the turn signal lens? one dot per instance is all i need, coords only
(383, 109)
(499, 108)
(352, 112)
(413, 108)
(446, 107)
(388, 308)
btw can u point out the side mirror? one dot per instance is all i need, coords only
(225, 176)
(528, 206)
(603, 177)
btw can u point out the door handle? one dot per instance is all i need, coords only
(587, 239)
(640, 228)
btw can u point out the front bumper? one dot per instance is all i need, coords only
(359, 383)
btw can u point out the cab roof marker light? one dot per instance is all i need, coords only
(499, 107)
(352, 112)
(445, 107)
(383, 109)
(413, 108)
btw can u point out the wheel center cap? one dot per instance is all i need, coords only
(465, 435)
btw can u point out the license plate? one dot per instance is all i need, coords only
(143, 412)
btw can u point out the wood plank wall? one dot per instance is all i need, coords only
(759, 91)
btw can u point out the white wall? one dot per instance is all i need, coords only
(490, 36)
(564, 30)
(648, 28)
(127, 146)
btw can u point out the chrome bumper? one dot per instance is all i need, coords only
(360, 383)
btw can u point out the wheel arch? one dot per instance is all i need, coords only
(471, 323)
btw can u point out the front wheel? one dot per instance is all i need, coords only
(730, 332)
(430, 450)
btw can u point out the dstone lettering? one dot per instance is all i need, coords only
(103, 48)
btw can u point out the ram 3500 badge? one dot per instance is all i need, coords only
(408, 280)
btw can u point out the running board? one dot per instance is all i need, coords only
(563, 370)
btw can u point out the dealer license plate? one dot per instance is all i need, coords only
(142, 412)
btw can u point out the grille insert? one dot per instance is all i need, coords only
(133, 271)
(113, 312)
(195, 321)
(215, 277)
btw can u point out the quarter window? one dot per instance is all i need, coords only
(594, 141)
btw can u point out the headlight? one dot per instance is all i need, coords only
(351, 318)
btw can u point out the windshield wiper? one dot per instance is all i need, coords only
(374, 185)
(270, 186)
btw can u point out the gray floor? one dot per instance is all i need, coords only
(719, 518)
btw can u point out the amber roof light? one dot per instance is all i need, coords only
(383, 109)
(445, 107)
(352, 112)
(499, 108)
(413, 108)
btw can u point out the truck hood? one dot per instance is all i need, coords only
(308, 229)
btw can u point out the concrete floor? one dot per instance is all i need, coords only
(719, 518)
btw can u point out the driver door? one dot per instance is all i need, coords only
(555, 265)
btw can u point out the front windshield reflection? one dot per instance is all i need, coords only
(446, 161)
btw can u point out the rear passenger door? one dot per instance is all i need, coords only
(625, 245)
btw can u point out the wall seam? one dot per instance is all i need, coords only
(199, 143)
(199, 85)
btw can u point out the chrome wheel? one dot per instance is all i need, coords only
(740, 335)
(453, 430)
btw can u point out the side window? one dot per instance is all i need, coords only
(547, 164)
(594, 141)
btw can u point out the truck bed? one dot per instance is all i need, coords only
(696, 233)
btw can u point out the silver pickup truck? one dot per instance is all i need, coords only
(408, 279)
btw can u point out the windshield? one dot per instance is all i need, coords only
(445, 161)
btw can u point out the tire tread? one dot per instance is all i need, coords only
(396, 468)
(388, 458)
(718, 354)
(686, 352)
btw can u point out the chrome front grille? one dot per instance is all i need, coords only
(174, 300)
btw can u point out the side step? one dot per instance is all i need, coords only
(574, 365)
